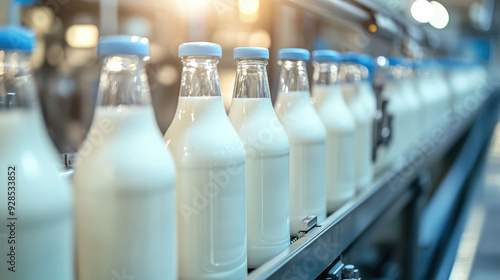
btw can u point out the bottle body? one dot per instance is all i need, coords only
(361, 107)
(125, 208)
(37, 203)
(125, 183)
(210, 161)
(340, 144)
(267, 185)
(307, 136)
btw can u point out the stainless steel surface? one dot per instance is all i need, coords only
(310, 255)
(308, 223)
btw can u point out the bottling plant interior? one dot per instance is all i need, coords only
(249, 139)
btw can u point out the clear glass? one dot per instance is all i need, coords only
(325, 72)
(293, 76)
(17, 87)
(395, 73)
(123, 82)
(351, 73)
(199, 76)
(251, 79)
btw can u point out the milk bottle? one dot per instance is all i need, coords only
(124, 177)
(210, 160)
(397, 108)
(36, 204)
(267, 156)
(427, 93)
(366, 90)
(403, 105)
(360, 101)
(340, 129)
(306, 135)
(413, 102)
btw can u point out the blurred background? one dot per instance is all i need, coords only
(68, 69)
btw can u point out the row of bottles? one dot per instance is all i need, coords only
(219, 194)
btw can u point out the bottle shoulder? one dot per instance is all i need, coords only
(300, 120)
(125, 151)
(201, 135)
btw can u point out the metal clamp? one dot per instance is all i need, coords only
(308, 224)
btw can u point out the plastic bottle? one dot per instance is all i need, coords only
(306, 135)
(210, 159)
(36, 236)
(124, 177)
(267, 157)
(360, 101)
(340, 129)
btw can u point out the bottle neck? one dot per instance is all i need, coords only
(325, 73)
(199, 76)
(123, 82)
(350, 73)
(17, 87)
(251, 79)
(394, 73)
(293, 76)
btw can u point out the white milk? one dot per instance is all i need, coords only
(210, 160)
(267, 189)
(307, 136)
(340, 144)
(397, 107)
(429, 100)
(43, 232)
(125, 198)
(414, 111)
(368, 95)
(361, 106)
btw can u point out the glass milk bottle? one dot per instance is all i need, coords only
(413, 102)
(425, 90)
(340, 129)
(398, 108)
(124, 177)
(210, 160)
(359, 100)
(267, 156)
(36, 204)
(366, 86)
(306, 135)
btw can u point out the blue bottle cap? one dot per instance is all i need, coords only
(366, 60)
(350, 57)
(200, 49)
(25, 2)
(394, 61)
(124, 45)
(248, 52)
(326, 55)
(294, 54)
(17, 38)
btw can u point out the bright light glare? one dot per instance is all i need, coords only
(248, 7)
(440, 17)
(82, 36)
(260, 38)
(381, 61)
(422, 11)
(192, 6)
